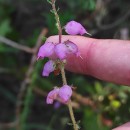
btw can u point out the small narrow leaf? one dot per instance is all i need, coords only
(58, 9)
(52, 11)
(49, 1)
(70, 124)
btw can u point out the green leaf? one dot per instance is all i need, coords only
(52, 11)
(98, 87)
(5, 27)
(49, 1)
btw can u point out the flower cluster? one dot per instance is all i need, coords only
(60, 51)
(63, 94)
(54, 52)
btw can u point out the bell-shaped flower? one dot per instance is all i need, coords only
(52, 95)
(46, 50)
(48, 68)
(74, 28)
(72, 48)
(61, 51)
(65, 93)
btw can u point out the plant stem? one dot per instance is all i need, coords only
(72, 115)
(62, 64)
(63, 74)
(69, 103)
(58, 24)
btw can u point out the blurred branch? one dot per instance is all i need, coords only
(4, 70)
(16, 45)
(84, 100)
(7, 125)
(100, 26)
(116, 23)
(27, 79)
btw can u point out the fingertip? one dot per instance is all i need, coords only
(53, 38)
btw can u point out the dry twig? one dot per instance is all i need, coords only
(27, 79)
(16, 45)
(7, 125)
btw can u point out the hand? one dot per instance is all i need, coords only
(107, 60)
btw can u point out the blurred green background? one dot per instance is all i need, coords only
(22, 21)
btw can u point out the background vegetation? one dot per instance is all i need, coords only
(98, 105)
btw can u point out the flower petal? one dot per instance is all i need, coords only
(52, 95)
(61, 51)
(74, 28)
(72, 48)
(65, 93)
(46, 50)
(48, 68)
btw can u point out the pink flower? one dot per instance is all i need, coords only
(52, 95)
(72, 48)
(46, 50)
(48, 68)
(74, 28)
(62, 50)
(65, 93)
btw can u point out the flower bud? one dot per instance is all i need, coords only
(46, 50)
(65, 93)
(48, 68)
(72, 48)
(74, 28)
(60, 50)
(52, 95)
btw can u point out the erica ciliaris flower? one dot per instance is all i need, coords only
(74, 28)
(46, 50)
(48, 68)
(72, 48)
(62, 50)
(65, 93)
(52, 95)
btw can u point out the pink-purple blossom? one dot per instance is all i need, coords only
(52, 95)
(72, 48)
(46, 50)
(62, 50)
(74, 28)
(48, 68)
(65, 92)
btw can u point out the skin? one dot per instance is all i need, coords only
(105, 59)
(108, 60)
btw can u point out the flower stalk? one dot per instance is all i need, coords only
(69, 103)
(62, 64)
(58, 24)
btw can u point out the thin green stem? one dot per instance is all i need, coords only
(69, 103)
(62, 64)
(72, 115)
(58, 24)
(63, 74)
